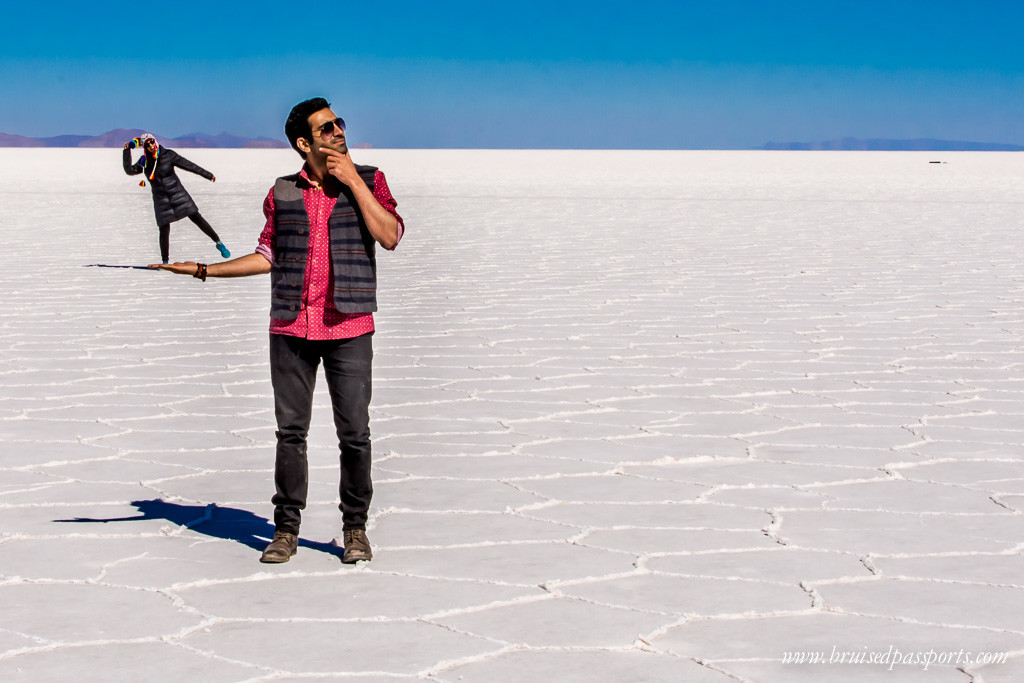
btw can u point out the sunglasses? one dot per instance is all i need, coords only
(327, 130)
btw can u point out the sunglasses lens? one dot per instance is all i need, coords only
(328, 128)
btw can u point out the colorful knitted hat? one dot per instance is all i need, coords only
(140, 142)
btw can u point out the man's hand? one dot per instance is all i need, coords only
(341, 167)
(179, 267)
(250, 264)
(213, 179)
(382, 225)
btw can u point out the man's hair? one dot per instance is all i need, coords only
(297, 125)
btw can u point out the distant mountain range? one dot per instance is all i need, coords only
(119, 136)
(882, 145)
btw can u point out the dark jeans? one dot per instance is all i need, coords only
(165, 233)
(293, 368)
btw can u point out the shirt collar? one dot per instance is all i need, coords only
(304, 174)
(329, 188)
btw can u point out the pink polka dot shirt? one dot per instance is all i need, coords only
(318, 318)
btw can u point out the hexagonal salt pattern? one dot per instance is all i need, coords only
(638, 416)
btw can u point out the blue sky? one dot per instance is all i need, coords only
(647, 75)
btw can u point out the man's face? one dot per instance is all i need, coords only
(149, 145)
(325, 133)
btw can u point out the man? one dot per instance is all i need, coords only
(318, 246)
(171, 201)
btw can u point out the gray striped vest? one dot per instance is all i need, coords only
(352, 250)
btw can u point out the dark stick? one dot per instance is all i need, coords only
(104, 265)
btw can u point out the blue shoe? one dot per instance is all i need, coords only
(223, 250)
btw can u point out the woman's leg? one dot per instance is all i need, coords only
(204, 225)
(165, 241)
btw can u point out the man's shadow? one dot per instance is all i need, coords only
(212, 520)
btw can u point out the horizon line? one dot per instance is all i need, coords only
(556, 149)
(845, 143)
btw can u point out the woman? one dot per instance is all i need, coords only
(171, 200)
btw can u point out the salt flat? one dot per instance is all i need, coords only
(638, 416)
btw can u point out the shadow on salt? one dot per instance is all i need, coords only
(231, 524)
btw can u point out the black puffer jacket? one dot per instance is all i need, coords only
(171, 200)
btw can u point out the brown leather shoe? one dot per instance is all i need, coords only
(281, 548)
(357, 547)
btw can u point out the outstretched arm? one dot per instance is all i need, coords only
(250, 264)
(193, 167)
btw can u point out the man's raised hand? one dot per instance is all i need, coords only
(340, 166)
